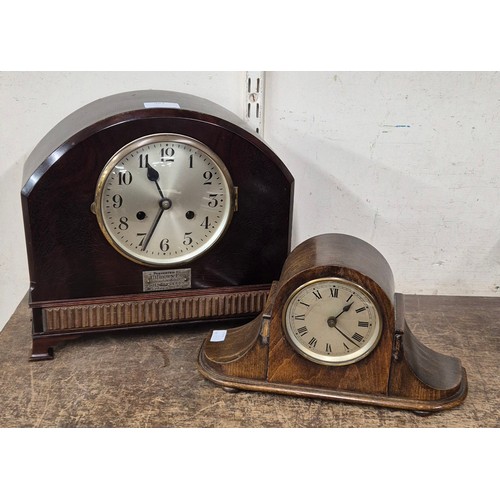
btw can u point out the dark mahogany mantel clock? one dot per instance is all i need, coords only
(333, 328)
(150, 208)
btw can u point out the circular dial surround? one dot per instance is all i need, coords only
(332, 321)
(164, 199)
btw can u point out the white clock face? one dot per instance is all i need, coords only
(164, 199)
(332, 321)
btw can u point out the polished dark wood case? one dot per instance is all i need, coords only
(399, 373)
(80, 284)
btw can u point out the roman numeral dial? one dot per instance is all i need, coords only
(164, 199)
(332, 321)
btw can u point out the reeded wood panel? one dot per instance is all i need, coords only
(157, 311)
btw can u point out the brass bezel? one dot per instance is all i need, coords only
(96, 207)
(324, 359)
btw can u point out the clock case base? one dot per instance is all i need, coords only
(61, 321)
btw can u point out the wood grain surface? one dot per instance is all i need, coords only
(151, 380)
(69, 260)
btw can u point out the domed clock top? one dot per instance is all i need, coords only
(147, 208)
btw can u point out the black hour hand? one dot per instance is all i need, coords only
(153, 175)
(344, 309)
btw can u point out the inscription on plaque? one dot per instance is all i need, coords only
(168, 279)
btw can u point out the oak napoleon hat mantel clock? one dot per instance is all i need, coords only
(333, 328)
(147, 208)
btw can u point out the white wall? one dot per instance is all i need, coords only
(407, 161)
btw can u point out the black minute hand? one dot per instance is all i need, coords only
(152, 230)
(346, 336)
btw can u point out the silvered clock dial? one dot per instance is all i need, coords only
(164, 199)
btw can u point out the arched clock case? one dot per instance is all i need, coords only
(150, 208)
(333, 328)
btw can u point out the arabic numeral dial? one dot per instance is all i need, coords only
(164, 199)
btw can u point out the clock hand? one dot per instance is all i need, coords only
(153, 227)
(346, 336)
(165, 204)
(344, 309)
(332, 323)
(153, 175)
(332, 320)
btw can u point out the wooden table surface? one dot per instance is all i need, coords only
(152, 380)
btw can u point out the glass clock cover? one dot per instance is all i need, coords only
(332, 321)
(164, 199)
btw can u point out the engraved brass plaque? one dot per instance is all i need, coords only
(167, 279)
